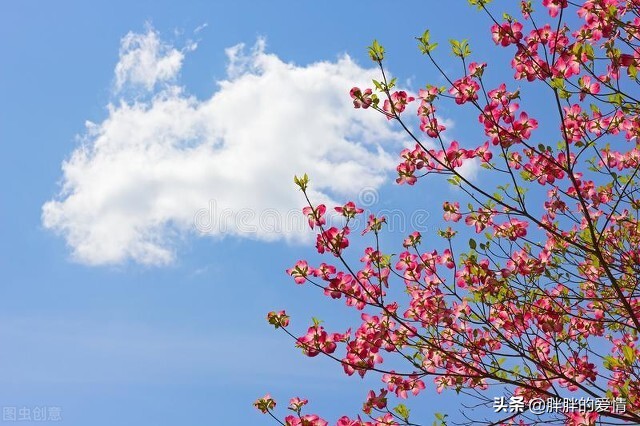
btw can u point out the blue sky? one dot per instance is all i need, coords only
(119, 122)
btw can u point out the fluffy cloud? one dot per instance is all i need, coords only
(145, 61)
(164, 165)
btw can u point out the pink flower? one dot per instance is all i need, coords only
(346, 421)
(464, 90)
(386, 420)
(324, 271)
(431, 126)
(315, 216)
(374, 224)
(412, 240)
(333, 240)
(300, 271)
(317, 340)
(476, 69)
(513, 229)
(554, 6)
(579, 418)
(506, 33)
(399, 101)
(587, 88)
(429, 94)
(377, 401)
(406, 173)
(480, 219)
(400, 385)
(451, 211)
(296, 404)
(278, 319)
(483, 152)
(455, 155)
(566, 66)
(362, 99)
(306, 420)
(349, 210)
(265, 404)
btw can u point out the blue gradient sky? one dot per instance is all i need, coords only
(185, 342)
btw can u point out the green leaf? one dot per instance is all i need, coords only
(472, 243)
(402, 411)
(629, 354)
(460, 48)
(376, 51)
(479, 3)
(526, 175)
(616, 99)
(385, 260)
(455, 180)
(302, 182)
(423, 43)
(588, 50)
(556, 83)
(577, 48)
(610, 362)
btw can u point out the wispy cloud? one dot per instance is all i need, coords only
(141, 175)
(200, 28)
(146, 60)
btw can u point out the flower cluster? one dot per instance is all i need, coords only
(541, 294)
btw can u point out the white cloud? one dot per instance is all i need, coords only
(145, 61)
(141, 176)
(200, 28)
